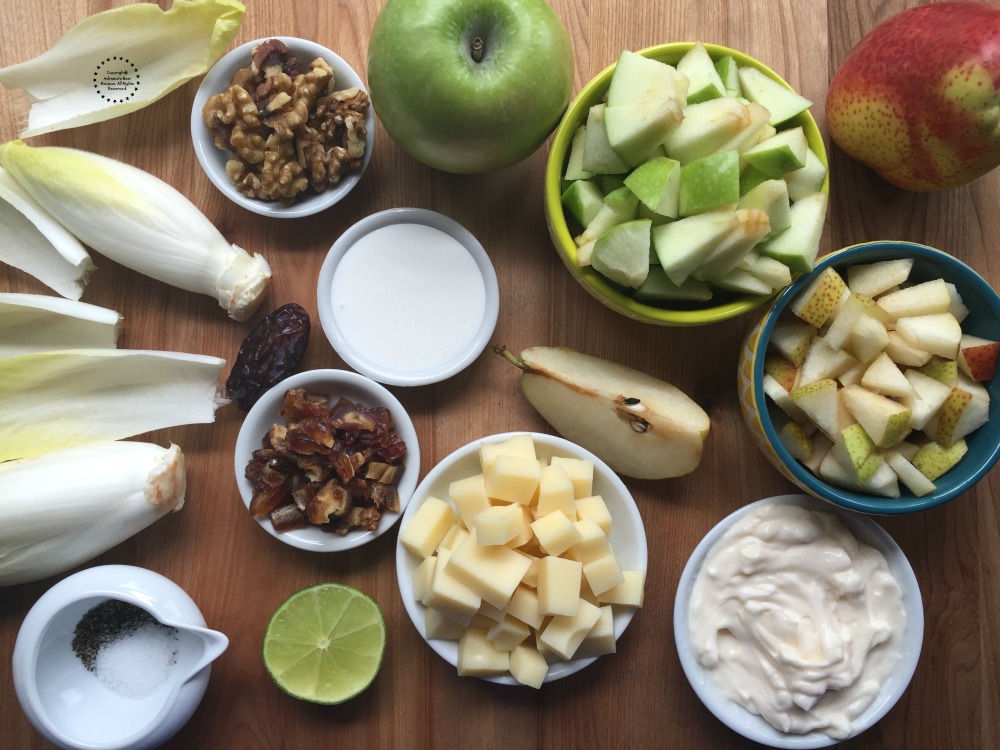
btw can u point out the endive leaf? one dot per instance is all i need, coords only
(39, 323)
(121, 60)
(38, 244)
(140, 221)
(50, 401)
(62, 509)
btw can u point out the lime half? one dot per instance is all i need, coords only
(325, 643)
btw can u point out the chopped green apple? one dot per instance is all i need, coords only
(598, 156)
(782, 103)
(706, 128)
(771, 197)
(582, 200)
(710, 182)
(622, 253)
(743, 282)
(705, 81)
(619, 206)
(751, 226)
(808, 179)
(638, 78)
(780, 154)
(682, 245)
(659, 288)
(656, 183)
(574, 164)
(635, 130)
(728, 70)
(798, 246)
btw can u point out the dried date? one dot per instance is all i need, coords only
(269, 354)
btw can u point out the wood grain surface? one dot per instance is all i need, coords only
(638, 698)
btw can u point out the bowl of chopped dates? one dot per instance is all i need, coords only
(283, 127)
(327, 460)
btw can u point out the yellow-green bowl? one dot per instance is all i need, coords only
(723, 305)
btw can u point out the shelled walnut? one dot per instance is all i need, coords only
(334, 466)
(288, 129)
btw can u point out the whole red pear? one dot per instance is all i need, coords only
(918, 99)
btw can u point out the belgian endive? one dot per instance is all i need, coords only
(63, 509)
(39, 323)
(138, 220)
(121, 60)
(36, 243)
(50, 401)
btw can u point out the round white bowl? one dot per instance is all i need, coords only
(69, 705)
(628, 536)
(213, 160)
(752, 726)
(402, 372)
(334, 384)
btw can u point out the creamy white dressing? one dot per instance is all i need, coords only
(796, 620)
(408, 297)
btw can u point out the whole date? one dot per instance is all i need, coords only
(269, 354)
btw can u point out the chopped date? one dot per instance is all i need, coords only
(334, 467)
(269, 354)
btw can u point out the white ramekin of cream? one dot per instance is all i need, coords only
(798, 624)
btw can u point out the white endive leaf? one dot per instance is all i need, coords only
(39, 323)
(121, 60)
(63, 509)
(140, 221)
(38, 244)
(50, 401)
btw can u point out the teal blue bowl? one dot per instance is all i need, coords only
(983, 320)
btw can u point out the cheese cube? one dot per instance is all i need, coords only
(509, 633)
(580, 472)
(422, 578)
(477, 656)
(559, 585)
(527, 666)
(513, 479)
(526, 534)
(555, 533)
(517, 445)
(498, 524)
(454, 536)
(565, 633)
(469, 497)
(530, 577)
(448, 595)
(555, 492)
(603, 573)
(594, 508)
(427, 527)
(601, 638)
(491, 572)
(494, 613)
(593, 543)
(629, 593)
(523, 605)
(436, 625)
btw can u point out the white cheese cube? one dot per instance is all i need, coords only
(428, 526)
(436, 625)
(565, 633)
(454, 536)
(601, 638)
(517, 445)
(558, 585)
(629, 593)
(491, 572)
(527, 666)
(530, 577)
(496, 614)
(448, 595)
(594, 508)
(593, 543)
(603, 573)
(498, 524)
(478, 657)
(513, 479)
(422, 576)
(555, 532)
(580, 471)
(526, 534)
(523, 605)
(469, 496)
(509, 633)
(555, 492)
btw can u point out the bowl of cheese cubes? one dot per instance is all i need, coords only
(686, 184)
(521, 558)
(871, 380)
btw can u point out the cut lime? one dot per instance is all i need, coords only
(325, 643)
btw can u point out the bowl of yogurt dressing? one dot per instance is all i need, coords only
(798, 624)
(408, 297)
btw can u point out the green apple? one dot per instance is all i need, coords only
(636, 129)
(780, 154)
(728, 71)
(682, 245)
(809, 179)
(710, 182)
(619, 206)
(622, 253)
(705, 81)
(659, 288)
(574, 164)
(469, 86)
(657, 185)
(706, 127)
(598, 156)
(918, 98)
(771, 197)
(582, 200)
(782, 103)
(637, 78)
(798, 246)
(752, 225)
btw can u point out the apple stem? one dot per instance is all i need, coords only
(477, 49)
(507, 354)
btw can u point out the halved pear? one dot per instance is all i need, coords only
(641, 426)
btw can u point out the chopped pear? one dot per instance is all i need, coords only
(682, 245)
(705, 81)
(977, 357)
(938, 333)
(781, 369)
(793, 338)
(853, 447)
(852, 375)
(795, 440)
(966, 409)
(574, 162)
(821, 446)
(821, 403)
(782, 103)
(641, 426)
(781, 398)
(883, 376)
(798, 246)
(928, 396)
(882, 482)
(942, 370)
(710, 182)
(909, 474)
(873, 279)
(902, 352)
(622, 253)
(885, 421)
(772, 272)
(927, 298)
(780, 154)
(815, 304)
(933, 460)
(957, 307)
(846, 316)
(636, 129)
(807, 180)
(657, 185)
(823, 362)
(598, 156)
(868, 339)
